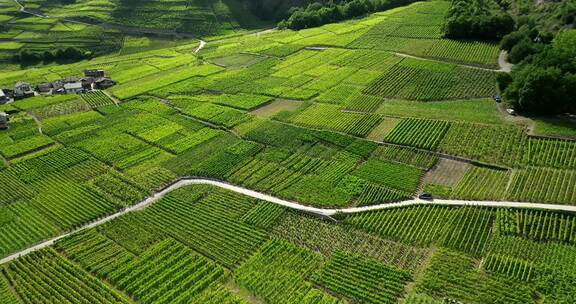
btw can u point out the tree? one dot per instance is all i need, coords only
(538, 90)
(521, 50)
(48, 56)
(544, 82)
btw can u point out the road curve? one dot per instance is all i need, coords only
(292, 205)
(200, 46)
(505, 66)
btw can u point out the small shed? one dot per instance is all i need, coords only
(94, 73)
(3, 97)
(4, 118)
(73, 87)
(45, 88)
(104, 83)
(23, 90)
(87, 83)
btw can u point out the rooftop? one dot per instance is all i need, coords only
(73, 85)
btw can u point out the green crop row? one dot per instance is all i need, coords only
(362, 279)
(97, 99)
(45, 276)
(259, 274)
(418, 133)
(537, 225)
(326, 238)
(510, 267)
(207, 231)
(415, 80)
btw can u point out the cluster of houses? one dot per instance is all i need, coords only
(92, 80)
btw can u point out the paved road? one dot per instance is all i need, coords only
(293, 205)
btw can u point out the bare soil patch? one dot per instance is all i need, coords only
(276, 107)
(382, 129)
(446, 173)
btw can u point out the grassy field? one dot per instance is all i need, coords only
(368, 111)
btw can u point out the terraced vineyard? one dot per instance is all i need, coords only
(97, 99)
(368, 111)
(425, 134)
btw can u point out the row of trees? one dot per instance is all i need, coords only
(317, 14)
(60, 55)
(476, 20)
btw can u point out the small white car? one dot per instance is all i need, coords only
(511, 112)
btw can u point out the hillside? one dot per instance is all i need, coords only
(281, 166)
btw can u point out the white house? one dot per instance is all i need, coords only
(73, 87)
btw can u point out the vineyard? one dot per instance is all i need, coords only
(207, 228)
(408, 156)
(426, 81)
(390, 174)
(559, 154)
(259, 273)
(537, 225)
(510, 267)
(329, 117)
(364, 280)
(543, 185)
(173, 252)
(452, 275)
(482, 183)
(325, 238)
(365, 111)
(166, 273)
(418, 133)
(97, 99)
(45, 276)
(487, 143)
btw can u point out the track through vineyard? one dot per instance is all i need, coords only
(265, 197)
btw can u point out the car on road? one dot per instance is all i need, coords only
(425, 196)
(511, 112)
(497, 98)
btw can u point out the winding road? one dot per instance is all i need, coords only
(292, 205)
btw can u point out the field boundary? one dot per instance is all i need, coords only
(187, 181)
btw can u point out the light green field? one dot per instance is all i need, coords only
(555, 127)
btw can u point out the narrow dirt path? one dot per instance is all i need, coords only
(448, 62)
(288, 204)
(37, 121)
(505, 66)
(200, 46)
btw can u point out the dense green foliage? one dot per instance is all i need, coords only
(477, 20)
(317, 13)
(61, 55)
(545, 81)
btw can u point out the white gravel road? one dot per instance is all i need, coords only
(293, 205)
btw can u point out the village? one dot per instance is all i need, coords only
(92, 80)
